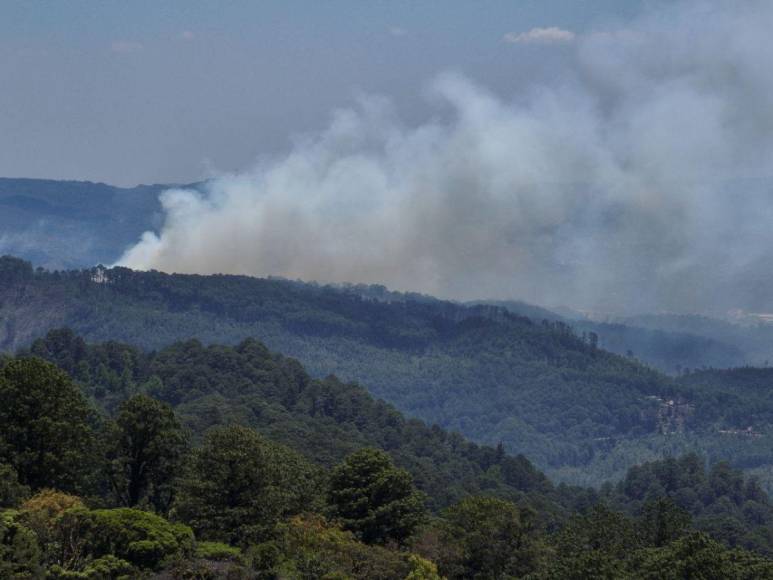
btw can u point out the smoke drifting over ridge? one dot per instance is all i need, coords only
(639, 179)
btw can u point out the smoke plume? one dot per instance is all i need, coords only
(638, 179)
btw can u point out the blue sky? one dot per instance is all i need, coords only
(151, 91)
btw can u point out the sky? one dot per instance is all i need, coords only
(176, 91)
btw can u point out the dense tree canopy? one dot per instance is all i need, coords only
(483, 537)
(323, 419)
(145, 449)
(239, 485)
(374, 499)
(249, 507)
(492, 376)
(46, 432)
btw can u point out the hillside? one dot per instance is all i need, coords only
(749, 334)
(73, 224)
(579, 412)
(124, 491)
(490, 375)
(323, 419)
(671, 348)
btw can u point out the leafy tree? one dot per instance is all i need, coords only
(19, 551)
(145, 451)
(310, 547)
(12, 493)
(422, 569)
(720, 501)
(662, 521)
(325, 420)
(238, 486)
(45, 426)
(698, 556)
(594, 545)
(485, 537)
(42, 513)
(104, 567)
(374, 499)
(141, 538)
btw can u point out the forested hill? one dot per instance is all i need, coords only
(493, 376)
(324, 419)
(123, 491)
(671, 349)
(577, 411)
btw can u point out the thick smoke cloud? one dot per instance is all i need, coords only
(637, 180)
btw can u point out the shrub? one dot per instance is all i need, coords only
(309, 547)
(42, 513)
(19, 551)
(142, 539)
(217, 551)
(105, 567)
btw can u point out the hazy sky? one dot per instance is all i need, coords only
(151, 91)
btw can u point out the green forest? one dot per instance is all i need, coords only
(233, 462)
(539, 387)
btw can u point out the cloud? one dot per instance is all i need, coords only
(551, 35)
(639, 180)
(125, 46)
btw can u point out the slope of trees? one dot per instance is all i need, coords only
(719, 499)
(324, 419)
(580, 413)
(244, 506)
(490, 375)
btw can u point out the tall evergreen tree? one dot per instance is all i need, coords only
(146, 446)
(375, 499)
(46, 426)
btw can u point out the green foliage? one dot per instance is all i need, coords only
(43, 513)
(19, 551)
(308, 547)
(698, 556)
(217, 551)
(483, 537)
(143, 539)
(99, 569)
(145, 451)
(662, 522)
(582, 414)
(323, 419)
(731, 508)
(242, 488)
(374, 499)
(422, 569)
(607, 544)
(45, 426)
(479, 370)
(594, 545)
(239, 485)
(12, 493)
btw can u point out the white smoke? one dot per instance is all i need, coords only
(639, 179)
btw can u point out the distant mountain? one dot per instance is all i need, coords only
(671, 348)
(74, 224)
(752, 336)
